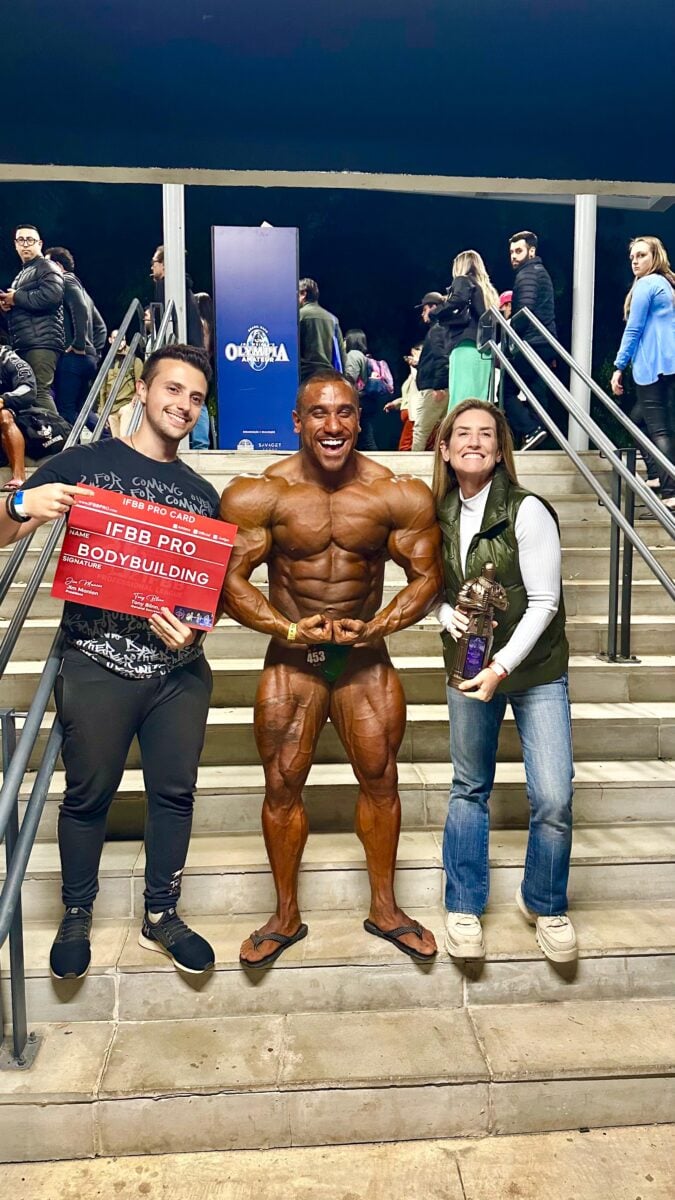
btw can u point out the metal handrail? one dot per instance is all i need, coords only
(611, 406)
(615, 512)
(20, 550)
(31, 589)
(584, 419)
(20, 841)
(13, 778)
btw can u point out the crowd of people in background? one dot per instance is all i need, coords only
(51, 347)
(449, 365)
(57, 339)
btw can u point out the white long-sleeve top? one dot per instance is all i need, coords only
(539, 560)
(410, 395)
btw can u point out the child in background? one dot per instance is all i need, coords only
(407, 401)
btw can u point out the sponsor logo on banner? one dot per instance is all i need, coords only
(257, 351)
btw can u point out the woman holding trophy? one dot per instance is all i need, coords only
(501, 557)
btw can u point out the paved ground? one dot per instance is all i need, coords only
(615, 1164)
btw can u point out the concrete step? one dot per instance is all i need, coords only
(211, 463)
(587, 634)
(625, 950)
(229, 799)
(553, 485)
(541, 463)
(230, 873)
(235, 680)
(600, 731)
(338, 1077)
(589, 563)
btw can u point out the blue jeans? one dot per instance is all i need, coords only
(199, 438)
(74, 377)
(542, 716)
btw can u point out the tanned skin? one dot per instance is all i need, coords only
(325, 520)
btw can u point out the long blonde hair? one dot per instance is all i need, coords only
(444, 479)
(469, 262)
(660, 266)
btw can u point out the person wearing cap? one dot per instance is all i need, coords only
(432, 373)
(505, 305)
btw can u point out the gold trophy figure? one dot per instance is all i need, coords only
(478, 599)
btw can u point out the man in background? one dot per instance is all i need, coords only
(432, 373)
(85, 336)
(321, 342)
(17, 392)
(34, 306)
(533, 289)
(199, 438)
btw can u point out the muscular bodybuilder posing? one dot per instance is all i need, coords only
(325, 520)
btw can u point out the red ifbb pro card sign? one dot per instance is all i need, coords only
(138, 556)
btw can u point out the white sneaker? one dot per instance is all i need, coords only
(464, 936)
(555, 935)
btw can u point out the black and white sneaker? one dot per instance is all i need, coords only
(535, 438)
(70, 956)
(187, 950)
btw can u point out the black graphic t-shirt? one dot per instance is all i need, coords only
(122, 642)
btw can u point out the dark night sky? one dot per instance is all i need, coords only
(562, 89)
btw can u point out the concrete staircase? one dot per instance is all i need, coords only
(345, 1040)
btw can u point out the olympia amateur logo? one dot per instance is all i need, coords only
(257, 351)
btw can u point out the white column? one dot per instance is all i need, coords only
(583, 291)
(173, 203)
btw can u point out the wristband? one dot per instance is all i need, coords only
(500, 671)
(292, 632)
(15, 509)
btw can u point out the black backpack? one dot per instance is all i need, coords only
(44, 432)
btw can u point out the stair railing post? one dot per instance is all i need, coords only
(19, 1056)
(614, 555)
(627, 562)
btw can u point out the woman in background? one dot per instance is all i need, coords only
(357, 371)
(471, 293)
(649, 344)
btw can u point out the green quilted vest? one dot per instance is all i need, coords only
(496, 543)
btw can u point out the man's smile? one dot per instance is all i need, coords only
(332, 443)
(177, 418)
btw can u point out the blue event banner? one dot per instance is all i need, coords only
(255, 288)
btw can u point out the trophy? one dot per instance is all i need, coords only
(478, 599)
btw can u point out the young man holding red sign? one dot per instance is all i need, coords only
(124, 676)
